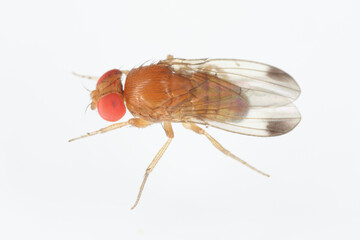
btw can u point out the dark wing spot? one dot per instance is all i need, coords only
(276, 128)
(278, 74)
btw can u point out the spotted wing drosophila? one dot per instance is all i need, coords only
(238, 96)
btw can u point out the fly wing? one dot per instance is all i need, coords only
(245, 74)
(239, 96)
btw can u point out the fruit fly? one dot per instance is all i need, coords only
(238, 96)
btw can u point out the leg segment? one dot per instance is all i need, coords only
(201, 131)
(170, 134)
(136, 122)
(93, 77)
(86, 76)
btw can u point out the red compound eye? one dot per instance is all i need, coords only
(111, 107)
(109, 75)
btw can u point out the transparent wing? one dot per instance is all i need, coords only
(245, 74)
(241, 96)
(262, 122)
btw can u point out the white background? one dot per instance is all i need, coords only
(52, 189)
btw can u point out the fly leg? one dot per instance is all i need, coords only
(136, 122)
(170, 134)
(94, 77)
(201, 131)
(85, 76)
